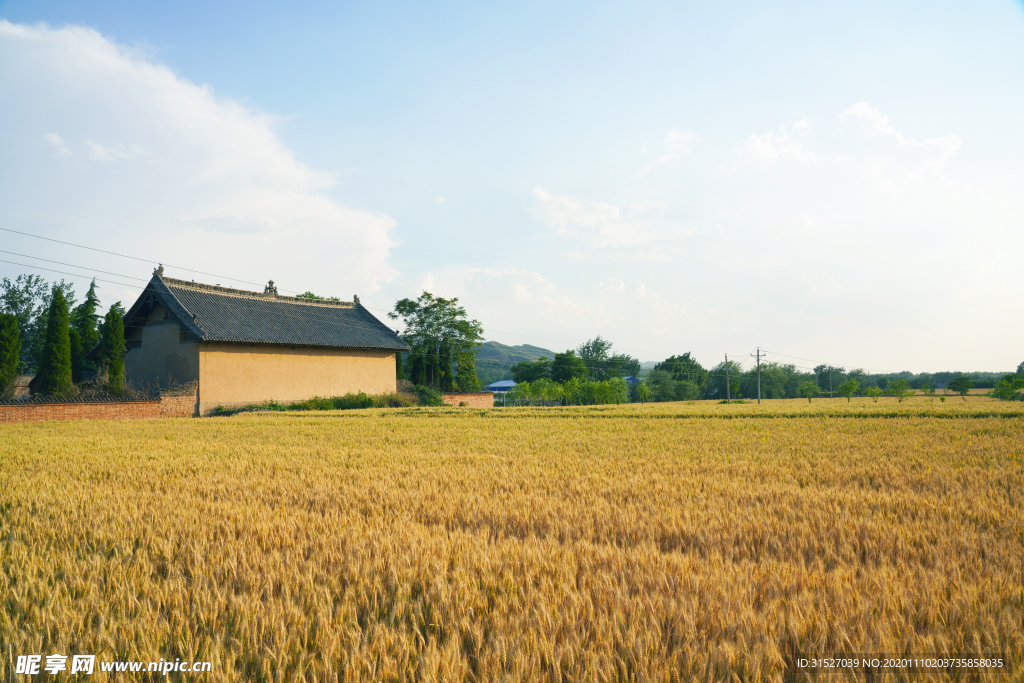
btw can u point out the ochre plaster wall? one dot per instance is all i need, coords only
(239, 374)
(163, 359)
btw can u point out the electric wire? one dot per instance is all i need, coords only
(61, 272)
(233, 279)
(134, 258)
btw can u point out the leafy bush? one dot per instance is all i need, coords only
(427, 396)
(346, 402)
(1006, 389)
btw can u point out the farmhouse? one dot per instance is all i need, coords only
(244, 347)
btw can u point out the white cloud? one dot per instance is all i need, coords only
(169, 170)
(115, 152)
(441, 200)
(877, 123)
(892, 169)
(601, 225)
(679, 144)
(774, 145)
(58, 143)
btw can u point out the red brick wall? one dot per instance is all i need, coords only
(480, 399)
(37, 412)
(167, 406)
(177, 406)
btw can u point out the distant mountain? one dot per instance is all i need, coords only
(494, 360)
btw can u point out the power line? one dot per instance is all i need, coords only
(61, 272)
(192, 270)
(134, 258)
(225, 277)
(70, 265)
(845, 365)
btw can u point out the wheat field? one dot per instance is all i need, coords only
(633, 543)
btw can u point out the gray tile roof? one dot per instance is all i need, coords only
(222, 314)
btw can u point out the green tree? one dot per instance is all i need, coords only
(643, 392)
(622, 365)
(874, 392)
(10, 353)
(618, 391)
(849, 388)
(685, 368)
(111, 354)
(900, 389)
(85, 320)
(435, 325)
(829, 376)
(595, 353)
(961, 384)
(602, 364)
(54, 374)
(1020, 370)
(27, 299)
(418, 366)
(77, 356)
(1006, 389)
(809, 390)
(466, 379)
(927, 389)
(716, 380)
(445, 380)
(525, 371)
(567, 366)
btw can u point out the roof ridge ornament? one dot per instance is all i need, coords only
(355, 298)
(159, 271)
(270, 288)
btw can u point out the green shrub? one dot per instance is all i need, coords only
(428, 396)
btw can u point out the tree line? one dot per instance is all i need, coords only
(681, 378)
(44, 333)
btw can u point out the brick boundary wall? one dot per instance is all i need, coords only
(177, 406)
(32, 411)
(106, 410)
(479, 399)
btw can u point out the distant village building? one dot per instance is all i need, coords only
(246, 347)
(501, 385)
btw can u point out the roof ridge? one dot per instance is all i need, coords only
(261, 296)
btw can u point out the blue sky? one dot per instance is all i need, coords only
(836, 182)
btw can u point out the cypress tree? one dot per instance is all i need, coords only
(10, 353)
(399, 366)
(85, 321)
(112, 350)
(55, 360)
(77, 356)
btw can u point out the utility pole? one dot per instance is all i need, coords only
(728, 397)
(758, 375)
